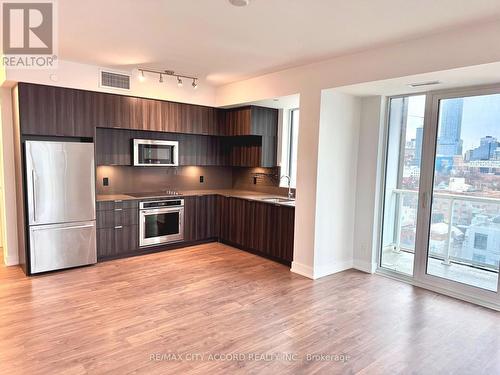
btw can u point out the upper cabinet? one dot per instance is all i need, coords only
(250, 132)
(252, 122)
(49, 110)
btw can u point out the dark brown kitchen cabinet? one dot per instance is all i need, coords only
(237, 121)
(116, 242)
(263, 228)
(253, 123)
(114, 147)
(245, 151)
(58, 111)
(47, 110)
(117, 228)
(249, 120)
(200, 218)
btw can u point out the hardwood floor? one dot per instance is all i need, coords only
(114, 317)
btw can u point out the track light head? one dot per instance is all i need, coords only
(142, 77)
(161, 78)
(179, 81)
(239, 3)
(194, 84)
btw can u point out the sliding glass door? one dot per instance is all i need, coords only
(404, 155)
(441, 221)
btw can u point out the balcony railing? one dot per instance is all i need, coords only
(446, 257)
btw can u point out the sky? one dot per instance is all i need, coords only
(481, 117)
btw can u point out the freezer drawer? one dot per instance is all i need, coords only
(60, 182)
(54, 247)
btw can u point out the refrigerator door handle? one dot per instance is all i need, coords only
(66, 228)
(33, 187)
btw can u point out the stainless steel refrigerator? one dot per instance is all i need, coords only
(60, 182)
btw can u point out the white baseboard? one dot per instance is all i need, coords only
(364, 266)
(12, 260)
(323, 270)
(302, 269)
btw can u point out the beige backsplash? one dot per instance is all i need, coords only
(128, 179)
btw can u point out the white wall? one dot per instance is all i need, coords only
(307, 171)
(86, 77)
(9, 211)
(369, 168)
(336, 183)
(467, 46)
(472, 45)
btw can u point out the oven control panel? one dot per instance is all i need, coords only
(162, 203)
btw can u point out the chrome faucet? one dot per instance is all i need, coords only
(290, 194)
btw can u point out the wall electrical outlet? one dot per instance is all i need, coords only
(255, 180)
(202, 179)
(105, 181)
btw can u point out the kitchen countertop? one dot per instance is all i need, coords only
(243, 194)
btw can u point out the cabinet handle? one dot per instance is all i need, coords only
(118, 209)
(119, 227)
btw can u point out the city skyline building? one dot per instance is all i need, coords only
(450, 127)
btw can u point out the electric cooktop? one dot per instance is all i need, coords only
(151, 194)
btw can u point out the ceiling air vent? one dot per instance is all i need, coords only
(115, 80)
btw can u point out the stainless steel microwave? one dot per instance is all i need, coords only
(156, 153)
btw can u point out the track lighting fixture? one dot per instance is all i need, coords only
(161, 73)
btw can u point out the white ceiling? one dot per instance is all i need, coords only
(485, 74)
(223, 43)
(281, 102)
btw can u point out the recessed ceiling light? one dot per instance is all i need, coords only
(420, 84)
(240, 3)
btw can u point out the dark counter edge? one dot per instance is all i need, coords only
(130, 198)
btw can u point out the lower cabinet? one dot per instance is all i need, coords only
(264, 228)
(117, 228)
(200, 218)
(117, 241)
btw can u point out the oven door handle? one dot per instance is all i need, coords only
(161, 210)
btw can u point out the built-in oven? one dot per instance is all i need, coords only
(155, 153)
(161, 221)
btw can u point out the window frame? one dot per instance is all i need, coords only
(464, 292)
(287, 153)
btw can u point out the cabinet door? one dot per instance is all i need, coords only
(105, 243)
(148, 115)
(245, 151)
(55, 111)
(85, 113)
(206, 217)
(190, 233)
(171, 116)
(126, 239)
(264, 121)
(238, 121)
(114, 111)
